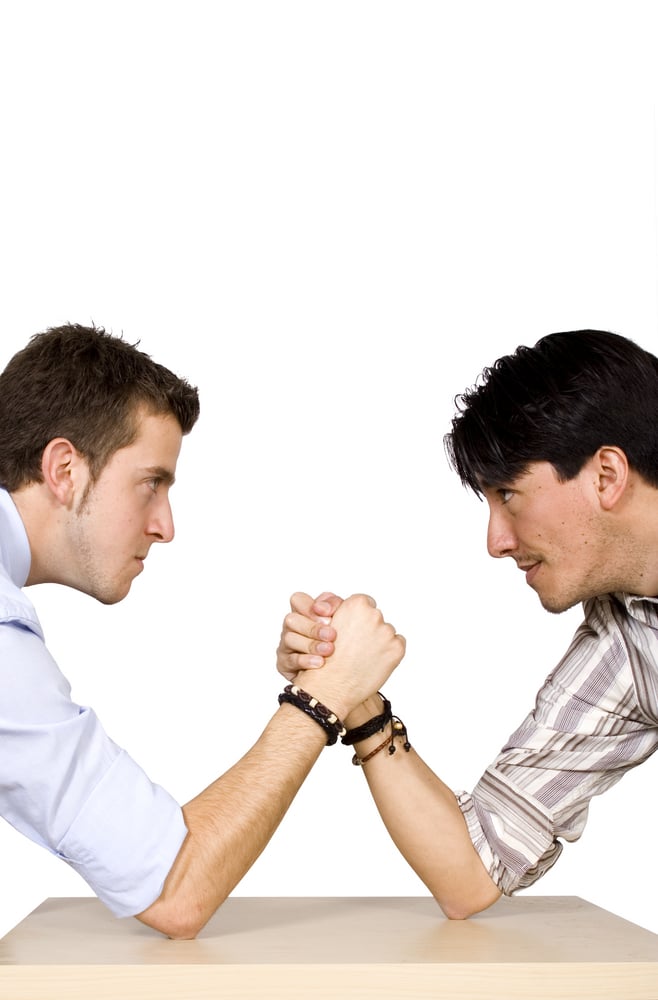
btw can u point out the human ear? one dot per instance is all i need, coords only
(63, 469)
(613, 475)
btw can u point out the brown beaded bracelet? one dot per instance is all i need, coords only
(301, 699)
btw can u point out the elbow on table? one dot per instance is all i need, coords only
(175, 927)
(178, 918)
(459, 912)
(463, 907)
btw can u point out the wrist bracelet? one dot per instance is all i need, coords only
(372, 726)
(398, 728)
(360, 761)
(301, 699)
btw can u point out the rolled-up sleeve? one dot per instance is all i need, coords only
(588, 728)
(67, 786)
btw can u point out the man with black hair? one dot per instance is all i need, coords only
(561, 441)
(90, 432)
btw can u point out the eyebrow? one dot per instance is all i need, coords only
(159, 472)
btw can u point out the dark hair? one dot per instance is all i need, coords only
(558, 402)
(86, 385)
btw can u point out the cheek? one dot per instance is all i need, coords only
(127, 511)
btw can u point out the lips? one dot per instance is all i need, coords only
(530, 571)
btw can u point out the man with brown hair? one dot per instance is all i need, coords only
(90, 432)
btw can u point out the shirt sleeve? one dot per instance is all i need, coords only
(585, 732)
(67, 786)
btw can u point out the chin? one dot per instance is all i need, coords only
(555, 609)
(112, 597)
(557, 605)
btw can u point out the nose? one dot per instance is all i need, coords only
(501, 539)
(162, 523)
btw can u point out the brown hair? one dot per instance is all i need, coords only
(86, 385)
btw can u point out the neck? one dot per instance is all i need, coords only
(634, 543)
(41, 520)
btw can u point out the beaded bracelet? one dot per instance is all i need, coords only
(301, 699)
(372, 726)
(398, 728)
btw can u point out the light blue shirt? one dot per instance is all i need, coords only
(63, 782)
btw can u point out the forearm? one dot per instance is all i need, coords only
(232, 820)
(425, 822)
(230, 823)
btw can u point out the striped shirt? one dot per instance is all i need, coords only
(595, 718)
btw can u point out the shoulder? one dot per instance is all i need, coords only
(626, 632)
(16, 608)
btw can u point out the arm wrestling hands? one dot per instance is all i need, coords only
(419, 811)
(231, 821)
(308, 640)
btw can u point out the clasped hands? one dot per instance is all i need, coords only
(341, 651)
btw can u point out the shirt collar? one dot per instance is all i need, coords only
(644, 609)
(15, 554)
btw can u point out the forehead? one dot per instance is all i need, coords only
(154, 426)
(536, 476)
(157, 443)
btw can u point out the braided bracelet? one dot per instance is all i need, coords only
(301, 699)
(398, 728)
(372, 726)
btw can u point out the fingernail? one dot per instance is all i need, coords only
(315, 661)
(324, 633)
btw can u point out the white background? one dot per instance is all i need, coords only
(330, 217)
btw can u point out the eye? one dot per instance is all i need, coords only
(505, 495)
(154, 483)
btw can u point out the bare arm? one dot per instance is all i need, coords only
(420, 812)
(425, 822)
(231, 821)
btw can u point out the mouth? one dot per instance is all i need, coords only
(530, 570)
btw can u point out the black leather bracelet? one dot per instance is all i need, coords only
(398, 729)
(369, 728)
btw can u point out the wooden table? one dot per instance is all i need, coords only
(525, 948)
